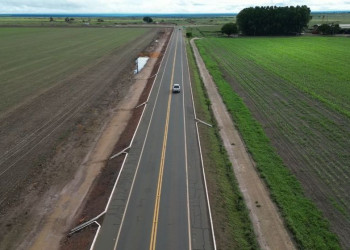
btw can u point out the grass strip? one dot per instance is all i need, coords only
(233, 229)
(306, 223)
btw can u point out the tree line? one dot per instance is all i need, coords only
(272, 20)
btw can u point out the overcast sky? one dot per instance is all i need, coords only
(156, 6)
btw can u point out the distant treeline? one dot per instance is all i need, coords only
(273, 20)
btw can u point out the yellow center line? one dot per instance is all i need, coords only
(161, 167)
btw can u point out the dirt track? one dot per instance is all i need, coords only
(45, 140)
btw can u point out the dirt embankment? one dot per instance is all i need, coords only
(46, 140)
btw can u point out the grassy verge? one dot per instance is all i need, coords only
(233, 229)
(307, 224)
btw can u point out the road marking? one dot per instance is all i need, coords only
(161, 168)
(144, 142)
(201, 158)
(186, 158)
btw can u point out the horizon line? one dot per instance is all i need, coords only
(155, 14)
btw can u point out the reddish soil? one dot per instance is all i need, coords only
(46, 139)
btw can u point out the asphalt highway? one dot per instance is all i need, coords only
(159, 201)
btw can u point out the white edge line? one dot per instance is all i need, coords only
(98, 230)
(121, 169)
(109, 200)
(186, 159)
(138, 164)
(202, 162)
(116, 182)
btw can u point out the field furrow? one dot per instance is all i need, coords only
(321, 161)
(46, 56)
(51, 86)
(302, 100)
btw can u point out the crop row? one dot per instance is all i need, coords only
(271, 99)
(317, 135)
(315, 65)
(45, 56)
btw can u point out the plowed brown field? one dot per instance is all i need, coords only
(64, 117)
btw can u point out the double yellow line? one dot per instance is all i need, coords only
(162, 160)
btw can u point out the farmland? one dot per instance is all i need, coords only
(59, 21)
(297, 89)
(57, 89)
(45, 56)
(341, 17)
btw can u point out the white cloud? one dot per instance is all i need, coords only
(156, 6)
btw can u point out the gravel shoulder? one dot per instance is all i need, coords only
(268, 225)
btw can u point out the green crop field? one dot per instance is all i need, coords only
(317, 18)
(205, 31)
(33, 59)
(290, 99)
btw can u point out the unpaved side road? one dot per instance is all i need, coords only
(268, 225)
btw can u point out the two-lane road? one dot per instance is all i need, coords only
(159, 201)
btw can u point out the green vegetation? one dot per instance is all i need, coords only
(229, 29)
(315, 65)
(33, 59)
(319, 18)
(276, 76)
(324, 68)
(206, 31)
(272, 20)
(147, 19)
(230, 215)
(329, 29)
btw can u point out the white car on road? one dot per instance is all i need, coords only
(176, 88)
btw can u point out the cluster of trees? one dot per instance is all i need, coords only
(329, 29)
(273, 20)
(147, 19)
(69, 20)
(229, 29)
